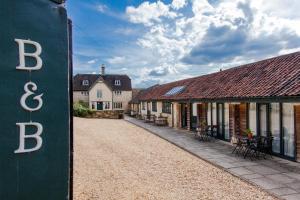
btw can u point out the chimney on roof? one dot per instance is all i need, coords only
(103, 69)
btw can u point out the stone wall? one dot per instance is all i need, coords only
(108, 114)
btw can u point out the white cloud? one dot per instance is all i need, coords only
(102, 8)
(235, 32)
(148, 13)
(177, 4)
(116, 60)
(92, 61)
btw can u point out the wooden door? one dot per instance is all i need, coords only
(202, 112)
(243, 117)
(231, 120)
(297, 131)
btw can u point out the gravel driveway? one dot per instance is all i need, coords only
(117, 160)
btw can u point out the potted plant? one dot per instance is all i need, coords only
(249, 133)
(203, 123)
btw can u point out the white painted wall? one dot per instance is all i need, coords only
(214, 113)
(195, 109)
(209, 114)
(252, 117)
(143, 112)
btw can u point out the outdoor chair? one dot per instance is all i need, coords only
(201, 133)
(253, 148)
(152, 118)
(241, 146)
(147, 118)
(212, 131)
(266, 147)
(260, 146)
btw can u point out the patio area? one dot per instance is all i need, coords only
(275, 175)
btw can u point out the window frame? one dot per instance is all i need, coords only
(85, 82)
(117, 82)
(118, 105)
(154, 106)
(167, 107)
(99, 94)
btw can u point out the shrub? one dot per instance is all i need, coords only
(84, 104)
(80, 110)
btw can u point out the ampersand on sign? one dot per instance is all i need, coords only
(29, 92)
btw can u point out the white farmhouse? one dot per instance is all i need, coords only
(103, 91)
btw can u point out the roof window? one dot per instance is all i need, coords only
(117, 82)
(175, 90)
(85, 82)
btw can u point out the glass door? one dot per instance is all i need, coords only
(220, 120)
(263, 120)
(288, 130)
(275, 127)
(277, 120)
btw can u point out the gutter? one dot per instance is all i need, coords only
(235, 99)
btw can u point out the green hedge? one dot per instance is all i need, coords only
(80, 109)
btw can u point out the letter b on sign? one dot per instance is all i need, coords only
(36, 136)
(23, 55)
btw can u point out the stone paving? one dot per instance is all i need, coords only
(277, 176)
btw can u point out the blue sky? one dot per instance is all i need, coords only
(162, 41)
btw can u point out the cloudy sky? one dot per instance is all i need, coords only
(162, 41)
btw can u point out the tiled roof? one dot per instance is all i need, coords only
(78, 78)
(274, 77)
(109, 80)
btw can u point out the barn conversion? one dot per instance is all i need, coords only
(263, 96)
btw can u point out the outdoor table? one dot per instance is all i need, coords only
(246, 145)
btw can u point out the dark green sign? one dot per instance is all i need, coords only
(34, 105)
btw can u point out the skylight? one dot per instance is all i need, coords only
(175, 90)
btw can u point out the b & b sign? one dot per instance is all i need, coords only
(34, 105)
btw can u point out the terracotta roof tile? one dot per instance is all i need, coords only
(278, 76)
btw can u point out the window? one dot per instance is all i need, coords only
(118, 105)
(106, 105)
(117, 82)
(85, 93)
(118, 92)
(143, 105)
(85, 82)
(154, 106)
(99, 94)
(166, 107)
(175, 90)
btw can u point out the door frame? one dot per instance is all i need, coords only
(268, 113)
(268, 117)
(183, 117)
(99, 103)
(221, 135)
